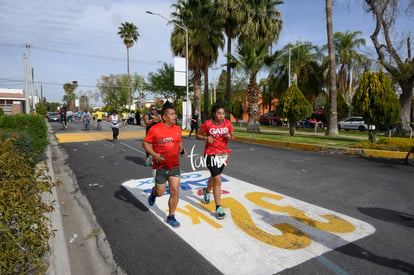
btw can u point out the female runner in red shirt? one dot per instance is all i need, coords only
(216, 132)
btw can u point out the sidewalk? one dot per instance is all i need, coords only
(79, 246)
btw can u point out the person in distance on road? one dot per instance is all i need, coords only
(114, 119)
(151, 118)
(164, 143)
(216, 132)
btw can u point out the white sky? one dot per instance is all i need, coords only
(78, 40)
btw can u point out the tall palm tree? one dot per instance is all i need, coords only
(233, 14)
(205, 38)
(262, 21)
(251, 58)
(260, 29)
(346, 45)
(129, 35)
(332, 114)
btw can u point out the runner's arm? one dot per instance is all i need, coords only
(148, 147)
(230, 136)
(202, 136)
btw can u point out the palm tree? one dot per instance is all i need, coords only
(69, 96)
(305, 62)
(262, 21)
(333, 119)
(129, 35)
(233, 14)
(260, 29)
(205, 38)
(346, 45)
(251, 58)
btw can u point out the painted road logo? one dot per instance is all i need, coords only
(265, 232)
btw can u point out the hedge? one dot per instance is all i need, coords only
(25, 228)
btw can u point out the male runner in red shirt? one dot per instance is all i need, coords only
(164, 143)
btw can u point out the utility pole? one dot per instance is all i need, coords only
(32, 76)
(26, 87)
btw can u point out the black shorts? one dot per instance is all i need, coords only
(216, 163)
(161, 175)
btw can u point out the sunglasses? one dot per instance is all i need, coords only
(153, 109)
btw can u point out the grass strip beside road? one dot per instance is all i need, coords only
(302, 138)
(348, 139)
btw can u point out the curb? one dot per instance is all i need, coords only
(58, 257)
(326, 149)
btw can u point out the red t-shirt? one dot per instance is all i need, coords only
(219, 146)
(165, 141)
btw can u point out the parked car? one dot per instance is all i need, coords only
(53, 116)
(354, 123)
(270, 119)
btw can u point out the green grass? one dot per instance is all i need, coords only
(354, 139)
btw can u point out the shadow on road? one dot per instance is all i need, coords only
(136, 160)
(388, 215)
(124, 195)
(361, 253)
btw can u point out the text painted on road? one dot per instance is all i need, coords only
(265, 232)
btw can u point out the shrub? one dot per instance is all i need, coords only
(24, 144)
(24, 228)
(33, 125)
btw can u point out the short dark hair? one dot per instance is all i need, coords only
(167, 106)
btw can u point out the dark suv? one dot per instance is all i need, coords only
(270, 119)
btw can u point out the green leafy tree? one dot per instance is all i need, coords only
(393, 56)
(162, 83)
(376, 101)
(115, 91)
(129, 34)
(236, 109)
(41, 109)
(293, 106)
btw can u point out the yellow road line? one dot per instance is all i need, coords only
(87, 136)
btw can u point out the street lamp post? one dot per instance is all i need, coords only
(186, 65)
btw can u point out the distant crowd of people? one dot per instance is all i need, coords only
(127, 118)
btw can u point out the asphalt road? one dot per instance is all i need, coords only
(380, 193)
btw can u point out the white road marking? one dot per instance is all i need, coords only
(264, 233)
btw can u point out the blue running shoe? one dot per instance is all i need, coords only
(172, 221)
(220, 213)
(151, 199)
(206, 196)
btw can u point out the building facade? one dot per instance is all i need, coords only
(12, 101)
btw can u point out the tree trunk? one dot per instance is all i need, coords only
(333, 119)
(206, 94)
(129, 82)
(253, 124)
(403, 128)
(228, 80)
(197, 90)
(292, 127)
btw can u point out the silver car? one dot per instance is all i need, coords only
(354, 123)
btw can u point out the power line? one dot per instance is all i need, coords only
(78, 54)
